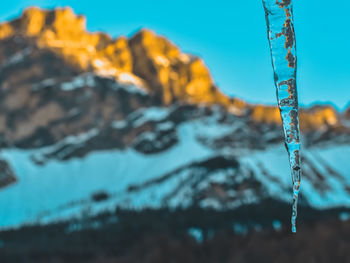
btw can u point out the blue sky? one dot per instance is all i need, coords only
(231, 38)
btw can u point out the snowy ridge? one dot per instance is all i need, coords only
(194, 170)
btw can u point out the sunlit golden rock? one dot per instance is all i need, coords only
(33, 21)
(173, 75)
(310, 119)
(118, 54)
(318, 117)
(266, 114)
(6, 30)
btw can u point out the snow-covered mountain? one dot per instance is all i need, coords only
(88, 123)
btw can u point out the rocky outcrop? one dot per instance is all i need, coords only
(7, 176)
(316, 118)
(346, 114)
(174, 76)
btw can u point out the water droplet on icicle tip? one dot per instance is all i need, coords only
(281, 36)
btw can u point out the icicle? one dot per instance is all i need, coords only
(280, 32)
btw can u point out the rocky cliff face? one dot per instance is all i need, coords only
(143, 124)
(43, 51)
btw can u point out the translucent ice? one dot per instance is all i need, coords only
(280, 32)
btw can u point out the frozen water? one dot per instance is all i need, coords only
(280, 32)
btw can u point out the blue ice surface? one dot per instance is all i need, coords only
(281, 36)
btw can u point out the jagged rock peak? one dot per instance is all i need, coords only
(146, 59)
(35, 21)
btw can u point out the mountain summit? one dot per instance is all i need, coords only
(146, 60)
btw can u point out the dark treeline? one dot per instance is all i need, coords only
(163, 236)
